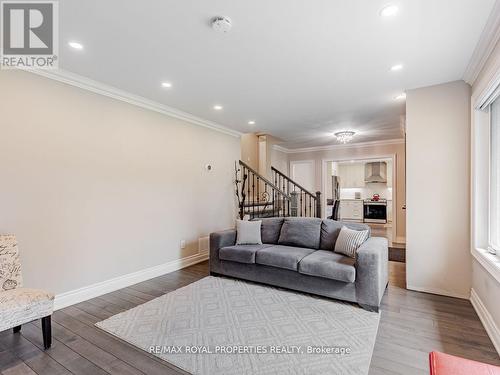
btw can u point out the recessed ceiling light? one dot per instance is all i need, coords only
(400, 96)
(75, 45)
(218, 107)
(389, 10)
(251, 122)
(166, 85)
(396, 67)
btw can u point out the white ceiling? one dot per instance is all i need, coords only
(301, 69)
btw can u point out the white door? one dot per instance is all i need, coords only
(302, 172)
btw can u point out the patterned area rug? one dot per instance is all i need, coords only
(224, 326)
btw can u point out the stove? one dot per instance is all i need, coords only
(375, 211)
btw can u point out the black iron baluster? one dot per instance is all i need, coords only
(301, 214)
(248, 193)
(266, 197)
(258, 193)
(253, 194)
(288, 206)
(274, 201)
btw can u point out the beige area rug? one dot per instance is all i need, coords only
(224, 326)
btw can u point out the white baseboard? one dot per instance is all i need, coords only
(486, 318)
(437, 291)
(95, 290)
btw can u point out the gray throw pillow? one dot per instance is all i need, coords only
(301, 232)
(350, 240)
(248, 232)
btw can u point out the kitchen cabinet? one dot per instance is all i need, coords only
(389, 211)
(351, 209)
(352, 175)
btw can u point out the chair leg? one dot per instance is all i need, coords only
(47, 332)
(16, 329)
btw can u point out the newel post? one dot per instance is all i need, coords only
(318, 204)
(293, 203)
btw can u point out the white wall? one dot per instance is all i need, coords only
(279, 160)
(250, 150)
(95, 188)
(438, 193)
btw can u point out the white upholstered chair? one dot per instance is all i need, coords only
(20, 305)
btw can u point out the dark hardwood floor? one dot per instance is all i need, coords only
(412, 324)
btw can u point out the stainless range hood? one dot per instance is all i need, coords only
(376, 172)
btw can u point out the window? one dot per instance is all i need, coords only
(494, 203)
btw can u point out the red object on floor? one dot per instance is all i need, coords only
(445, 364)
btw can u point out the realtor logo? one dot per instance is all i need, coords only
(29, 34)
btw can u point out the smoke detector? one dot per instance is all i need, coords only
(221, 24)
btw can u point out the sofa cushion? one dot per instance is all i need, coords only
(330, 230)
(287, 257)
(327, 264)
(271, 229)
(301, 232)
(240, 253)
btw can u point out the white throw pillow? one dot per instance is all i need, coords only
(349, 240)
(248, 232)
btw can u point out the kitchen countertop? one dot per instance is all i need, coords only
(361, 199)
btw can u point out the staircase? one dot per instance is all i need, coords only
(308, 204)
(259, 197)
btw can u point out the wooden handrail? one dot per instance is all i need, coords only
(264, 179)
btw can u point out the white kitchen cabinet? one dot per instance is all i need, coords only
(352, 175)
(389, 211)
(351, 209)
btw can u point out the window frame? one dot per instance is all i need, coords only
(480, 154)
(495, 96)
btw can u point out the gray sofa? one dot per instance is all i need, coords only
(297, 253)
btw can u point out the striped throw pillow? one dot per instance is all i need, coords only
(349, 240)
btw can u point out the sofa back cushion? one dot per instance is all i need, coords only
(301, 232)
(271, 229)
(330, 230)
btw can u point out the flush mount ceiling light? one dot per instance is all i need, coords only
(400, 96)
(221, 24)
(345, 136)
(251, 122)
(389, 11)
(76, 45)
(396, 67)
(218, 107)
(166, 85)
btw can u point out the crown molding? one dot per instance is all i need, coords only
(88, 84)
(487, 42)
(338, 147)
(280, 148)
